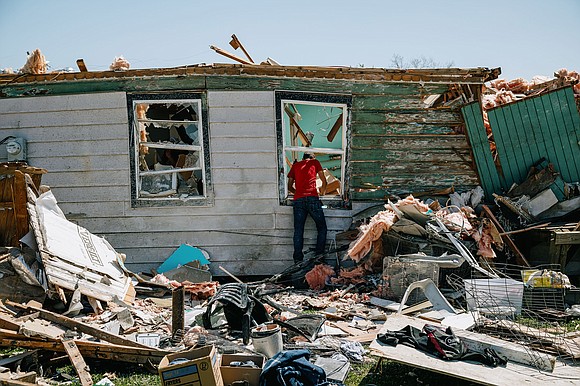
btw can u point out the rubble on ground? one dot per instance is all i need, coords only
(419, 262)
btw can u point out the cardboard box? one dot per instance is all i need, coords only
(195, 367)
(239, 373)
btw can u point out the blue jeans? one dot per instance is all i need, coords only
(303, 207)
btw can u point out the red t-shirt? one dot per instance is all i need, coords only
(304, 174)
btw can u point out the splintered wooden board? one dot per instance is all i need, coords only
(78, 362)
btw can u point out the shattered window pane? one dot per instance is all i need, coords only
(319, 128)
(170, 151)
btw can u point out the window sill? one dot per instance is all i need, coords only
(171, 202)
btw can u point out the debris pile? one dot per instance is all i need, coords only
(35, 64)
(119, 64)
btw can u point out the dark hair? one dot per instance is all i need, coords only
(308, 155)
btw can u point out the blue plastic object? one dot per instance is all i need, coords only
(183, 255)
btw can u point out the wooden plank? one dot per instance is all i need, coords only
(8, 322)
(177, 312)
(363, 338)
(242, 114)
(378, 102)
(78, 362)
(86, 147)
(218, 82)
(242, 129)
(409, 168)
(383, 195)
(15, 382)
(400, 155)
(88, 179)
(400, 129)
(566, 237)
(92, 194)
(170, 223)
(246, 98)
(79, 326)
(513, 373)
(241, 145)
(234, 161)
(20, 210)
(70, 118)
(87, 101)
(88, 349)
(409, 142)
(95, 131)
(107, 85)
(506, 238)
(222, 207)
(403, 116)
(58, 163)
(413, 182)
(259, 175)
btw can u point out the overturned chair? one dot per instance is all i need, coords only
(241, 310)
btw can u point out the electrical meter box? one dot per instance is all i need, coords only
(16, 149)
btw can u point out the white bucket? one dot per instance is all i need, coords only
(267, 339)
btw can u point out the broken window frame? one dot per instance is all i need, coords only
(200, 102)
(315, 99)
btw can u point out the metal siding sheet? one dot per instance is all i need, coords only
(488, 174)
(542, 126)
(504, 137)
(552, 110)
(566, 130)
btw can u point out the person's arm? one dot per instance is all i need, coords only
(322, 177)
(291, 185)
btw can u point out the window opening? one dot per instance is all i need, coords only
(170, 149)
(316, 127)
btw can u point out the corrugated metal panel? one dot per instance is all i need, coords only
(543, 126)
(488, 175)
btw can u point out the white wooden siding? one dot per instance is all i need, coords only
(83, 141)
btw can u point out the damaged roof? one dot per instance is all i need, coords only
(446, 75)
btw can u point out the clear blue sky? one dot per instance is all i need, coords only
(523, 37)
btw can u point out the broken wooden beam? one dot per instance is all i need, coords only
(236, 43)
(334, 130)
(506, 238)
(78, 362)
(15, 382)
(81, 65)
(177, 312)
(293, 122)
(93, 350)
(79, 326)
(231, 56)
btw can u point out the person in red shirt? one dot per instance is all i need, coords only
(302, 182)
